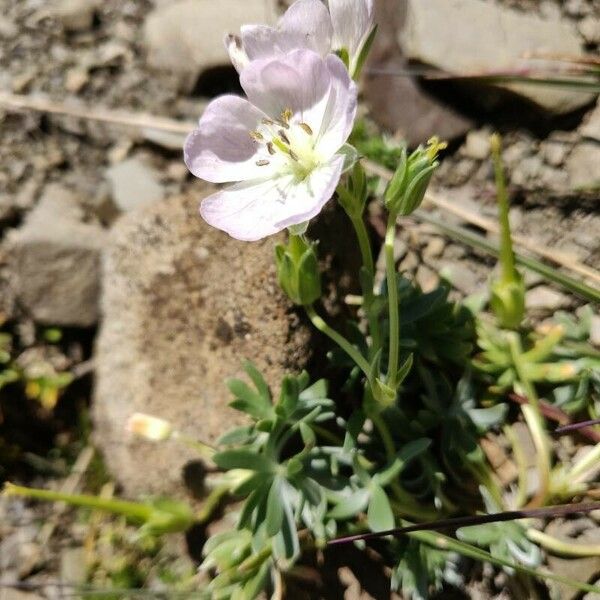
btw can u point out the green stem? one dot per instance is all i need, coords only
(394, 309)
(211, 503)
(339, 339)
(369, 265)
(132, 510)
(561, 547)
(507, 257)
(586, 466)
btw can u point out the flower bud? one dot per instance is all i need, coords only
(298, 270)
(149, 427)
(407, 188)
(508, 301)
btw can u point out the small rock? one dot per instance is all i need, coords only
(55, 261)
(471, 36)
(554, 153)
(582, 166)
(134, 184)
(527, 172)
(591, 127)
(75, 15)
(8, 29)
(76, 79)
(576, 8)
(589, 28)
(427, 278)
(477, 145)
(434, 248)
(546, 298)
(460, 276)
(185, 37)
(22, 81)
(409, 264)
(165, 139)
(177, 171)
(73, 569)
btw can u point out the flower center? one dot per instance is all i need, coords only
(290, 143)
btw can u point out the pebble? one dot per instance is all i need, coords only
(434, 248)
(582, 166)
(76, 79)
(134, 183)
(477, 145)
(460, 276)
(75, 15)
(8, 30)
(546, 298)
(427, 278)
(589, 28)
(554, 153)
(595, 331)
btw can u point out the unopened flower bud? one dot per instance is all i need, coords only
(508, 301)
(149, 427)
(298, 270)
(407, 188)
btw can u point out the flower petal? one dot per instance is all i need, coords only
(352, 20)
(252, 210)
(338, 118)
(237, 54)
(306, 24)
(299, 81)
(221, 149)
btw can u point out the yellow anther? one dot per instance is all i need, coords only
(262, 163)
(267, 122)
(286, 115)
(306, 128)
(434, 147)
(271, 148)
(256, 135)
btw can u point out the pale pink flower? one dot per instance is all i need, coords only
(281, 146)
(346, 26)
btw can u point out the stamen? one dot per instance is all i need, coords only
(306, 128)
(256, 135)
(284, 137)
(267, 122)
(262, 163)
(294, 156)
(286, 115)
(271, 148)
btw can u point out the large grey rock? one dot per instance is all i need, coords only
(185, 37)
(397, 103)
(471, 36)
(184, 305)
(55, 261)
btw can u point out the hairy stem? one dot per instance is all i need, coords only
(339, 339)
(394, 309)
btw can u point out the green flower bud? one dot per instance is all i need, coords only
(407, 188)
(298, 270)
(508, 301)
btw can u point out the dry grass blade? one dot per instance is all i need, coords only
(492, 227)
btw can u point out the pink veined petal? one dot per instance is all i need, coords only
(253, 210)
(352, 21)
(340, 113)
(221, 150)
(299, 81)
(306, 24)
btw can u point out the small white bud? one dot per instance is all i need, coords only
(149, 427)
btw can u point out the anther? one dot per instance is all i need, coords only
(262, 163)
(294, 156)
(256, 135)
(306, 128)
(267, 122)
(271, 148)
(284, 137)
